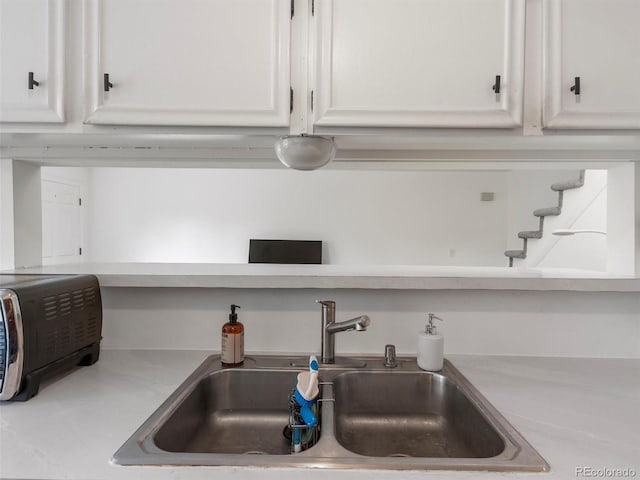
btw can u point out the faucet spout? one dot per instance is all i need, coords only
(358, 324)
(330, 327)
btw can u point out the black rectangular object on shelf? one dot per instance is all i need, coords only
(285, 251)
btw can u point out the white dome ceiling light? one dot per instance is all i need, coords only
(305, 152)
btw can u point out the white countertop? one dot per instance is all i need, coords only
(404, 277)
(575, 412)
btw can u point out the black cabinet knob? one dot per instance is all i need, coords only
(32, 82)
(576, 86)
(107, 84)
(496, 86)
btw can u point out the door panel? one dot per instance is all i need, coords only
(599, 42)
(32, 40)
(419, 63)
(198, 62)
(61, 224)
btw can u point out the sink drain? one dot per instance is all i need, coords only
(254, 452)
(399, 455)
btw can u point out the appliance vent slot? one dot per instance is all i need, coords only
(50, 308)
(90, 295)
(64, 304)
(92, 327)
(64, 340)
(77, 297)
(56, 341)
(49, 342)
(78, 330)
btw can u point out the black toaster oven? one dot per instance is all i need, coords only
(48, 323)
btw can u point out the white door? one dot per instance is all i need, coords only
(592, 63)
(419, 63)
(61, 225)
(32, 60)
(188, 62)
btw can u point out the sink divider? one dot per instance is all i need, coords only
(327, 401)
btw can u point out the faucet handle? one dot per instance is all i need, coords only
(327, 303)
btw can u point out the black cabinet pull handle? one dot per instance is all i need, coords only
(496, 86)
(32, 82)
(107, 84)
(576, 86)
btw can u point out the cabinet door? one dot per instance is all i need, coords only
(598, 42)
(188, 62)
(419, 63)
(32, 60)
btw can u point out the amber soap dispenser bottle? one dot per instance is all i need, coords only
(233, 340)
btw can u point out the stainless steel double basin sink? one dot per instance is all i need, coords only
(370, 417)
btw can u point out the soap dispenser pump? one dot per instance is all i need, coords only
(431, 347)
(232, 340)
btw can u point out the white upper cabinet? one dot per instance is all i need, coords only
(418, 63)
(592, 64)
(187, 62)
(32, 60)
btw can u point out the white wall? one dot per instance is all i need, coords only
(568, 324)
(621, 218)
(6, 214)
(27, 213)
(209, 215)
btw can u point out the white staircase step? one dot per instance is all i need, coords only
(530, 234)
(569, 184)
(547, 212)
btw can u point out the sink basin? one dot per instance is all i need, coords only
(427, 416)
(371, 417)
(231, 411)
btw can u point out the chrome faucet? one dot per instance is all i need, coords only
(330, 328)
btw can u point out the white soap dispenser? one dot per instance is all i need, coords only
(431, 347)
